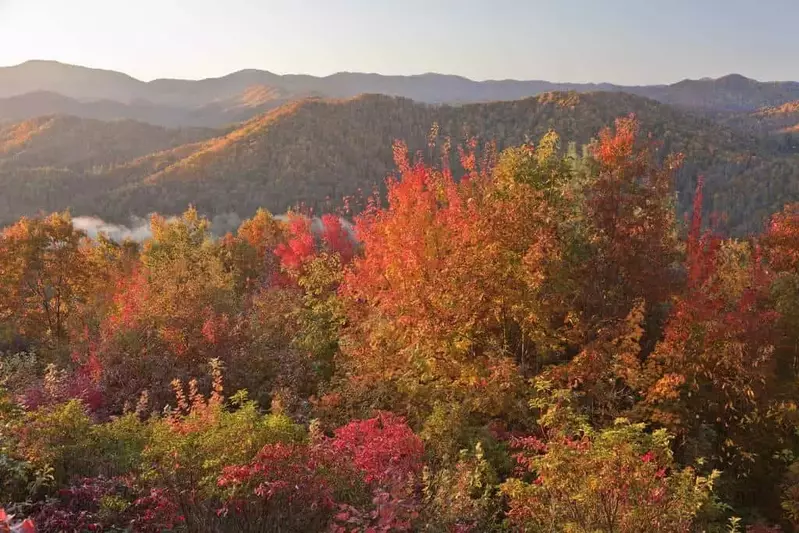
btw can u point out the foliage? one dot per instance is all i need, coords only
(446, 299)
(285, 486)
(45, 272)
(328, 481)
(712, 377)
(465, 496)
(190, 446)
(616, 479)
(525, 340)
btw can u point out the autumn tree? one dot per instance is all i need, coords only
(620, 265)
(606, 369)
(780, 244)
(311, 258)
(712, 378)
(780, 248)
(446, 300)
(630, 208)
(250, 253)
(45, 272)
(618, 479)
(176, 310)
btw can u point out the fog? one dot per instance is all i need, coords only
(139, 229)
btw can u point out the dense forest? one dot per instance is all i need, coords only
(315, 152)
(531, 339)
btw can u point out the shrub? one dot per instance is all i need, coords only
(619, 479)
(287, 487)
(384, 448)
(361, 479)
(59, 436)
(119, 444)
(91, 504)
(109, 504)
(464, 497)
(190, 447)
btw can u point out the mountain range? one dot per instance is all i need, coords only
(104, 144)
(38, 88)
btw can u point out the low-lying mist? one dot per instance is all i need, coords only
(139, 229)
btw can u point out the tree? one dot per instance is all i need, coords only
(45, 273)
(447, 296)
(621, 479)
(173, 313)
(711, 380)
(629, 204)
(780, 244)
(250, 254)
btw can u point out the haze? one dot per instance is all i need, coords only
(620, 41)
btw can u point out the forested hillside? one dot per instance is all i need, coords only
(44, 162)
(528, 341)
(782, 118)
(729, 93)
(317, 151)
(88, 145)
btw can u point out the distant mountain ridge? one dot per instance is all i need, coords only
(218, 113)
(85, 83)
(27, 90)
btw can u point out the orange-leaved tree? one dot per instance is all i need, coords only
(45, 272)
(445, 302)
(633, 231)
(621, 259)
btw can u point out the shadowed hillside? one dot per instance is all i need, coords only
(75, 143)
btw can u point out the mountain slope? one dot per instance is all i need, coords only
(317, 151)
(320, 149)
(81, 144)
(50, 162)
(729, 93)
(36, 104)
(780, 119)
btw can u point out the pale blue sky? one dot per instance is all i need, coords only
(621, 41)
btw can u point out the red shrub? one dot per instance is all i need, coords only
(328, 480)
(336, 238)
(77, 385)
(300, 245)
(384, 448)
(101, 504)
(286, 484)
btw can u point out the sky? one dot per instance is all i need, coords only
(619, 41)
